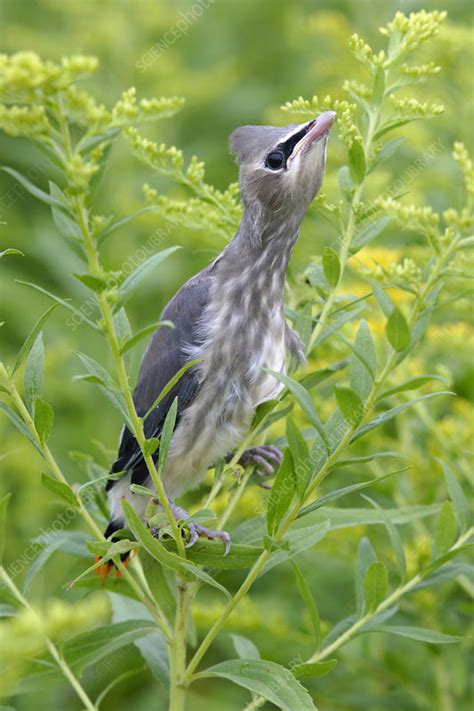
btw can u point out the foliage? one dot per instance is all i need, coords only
(375, 403)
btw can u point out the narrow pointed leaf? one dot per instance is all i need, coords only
(304, 399)
(397, 331)
(31, 188)
(60, 489)
(365, 557)
(131, 284)
(166, 435)
(258, 676)
(460, 502)
(19, 424)
(3, 524)
(313, 669)
(143, 333)
(44, 416)
(310, 603)
(244, 647)
(77, 313)
(362, 378)
(331, 266)
(31, 338)
(395, 539)
(301, 457)
(412, 384)
(350, 404)
(368, 233)
(34, 371)
(281, 493)
(375, 585)
(445, 529)
(418, 633)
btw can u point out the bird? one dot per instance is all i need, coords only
(230, 318)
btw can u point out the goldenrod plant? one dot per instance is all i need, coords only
(363, 424)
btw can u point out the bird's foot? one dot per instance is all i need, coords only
(197, 531)
(265, 457)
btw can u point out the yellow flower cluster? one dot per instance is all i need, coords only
(405, 272)
(161, 157)
(24, 74)
(24, 120)
(357, 89)
(345, 114)
(128, 109)
(422, 219)
(364, 52)
(415, 28)
(412, 108)
(419, 71)
(461, 155)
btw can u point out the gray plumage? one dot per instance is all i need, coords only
(230, 316)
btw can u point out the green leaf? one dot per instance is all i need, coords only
(361, 377)
(32, 189)
(357, 163)
(301, 457)
(331, 266)
(346, 186)
(379, 86)
(131, 284)
(304, 324)
(60, 489)
(31, 338)
(44, 417)
(3, 524)
(460, 502)
(166, 435)
(350, 404)
(295, 542)
(166, 558)
(10, 250)
(142, 490)
(244, 647)
(272, 681)
(171, 383)
(281, 493)
(375, 585)
(161, 583)
(333, 495)
(19, 424)
(143, 333)
(93, 283)
(412, 384)
(318, 376)
(209, 555)
(125, 220)
(107, 385)
(368, 233)
(387, 151)
(397, 331)
(310, 603)
(151, 445)
(418, 633)
(61, 302)
(90, 647)
(364, 558)
(309, 670)
(395, 539)
(383, 299)
(390, 414)
(445, 529)
(304, 399)
(68, 229)
(33, 376)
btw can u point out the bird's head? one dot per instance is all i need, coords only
(281, 167)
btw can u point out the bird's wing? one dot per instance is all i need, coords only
(164, 357)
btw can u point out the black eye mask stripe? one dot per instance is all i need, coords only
(287, 147)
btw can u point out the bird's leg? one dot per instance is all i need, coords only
(196, 530)
(265, 457)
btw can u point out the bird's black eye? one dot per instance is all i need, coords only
(275, 160)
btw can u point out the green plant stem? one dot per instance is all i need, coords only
(53, 650)
(178, 649)
(384, 605)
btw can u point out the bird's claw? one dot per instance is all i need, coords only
(264, 456)
(196, 530)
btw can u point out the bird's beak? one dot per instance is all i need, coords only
(315, 129)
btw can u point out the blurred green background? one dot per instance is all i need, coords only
(235, 64)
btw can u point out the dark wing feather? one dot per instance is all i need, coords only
(162, 360)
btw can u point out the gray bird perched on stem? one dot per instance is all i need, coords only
(231, 318)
